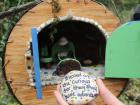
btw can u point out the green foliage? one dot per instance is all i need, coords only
(5, 27)
(6, 98)
(131, 94)
(7, 23)
(130, 1)
(12, 3)
(125, 8)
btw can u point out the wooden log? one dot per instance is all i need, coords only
(21, 34)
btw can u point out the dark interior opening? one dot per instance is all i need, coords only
(136, 15)
(88, 40)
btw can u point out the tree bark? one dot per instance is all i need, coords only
(15, 10)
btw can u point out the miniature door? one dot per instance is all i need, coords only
(123, 52)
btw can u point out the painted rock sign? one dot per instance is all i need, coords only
(78, 88)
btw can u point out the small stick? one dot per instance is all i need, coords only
(18, 9)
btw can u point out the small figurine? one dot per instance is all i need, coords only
(63, 49)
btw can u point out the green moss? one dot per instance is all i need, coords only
(131, 94)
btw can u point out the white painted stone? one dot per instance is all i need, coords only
(32, 84)
(76, 18)
(78, 88)
(82, 19)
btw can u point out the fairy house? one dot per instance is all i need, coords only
(77, 29)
